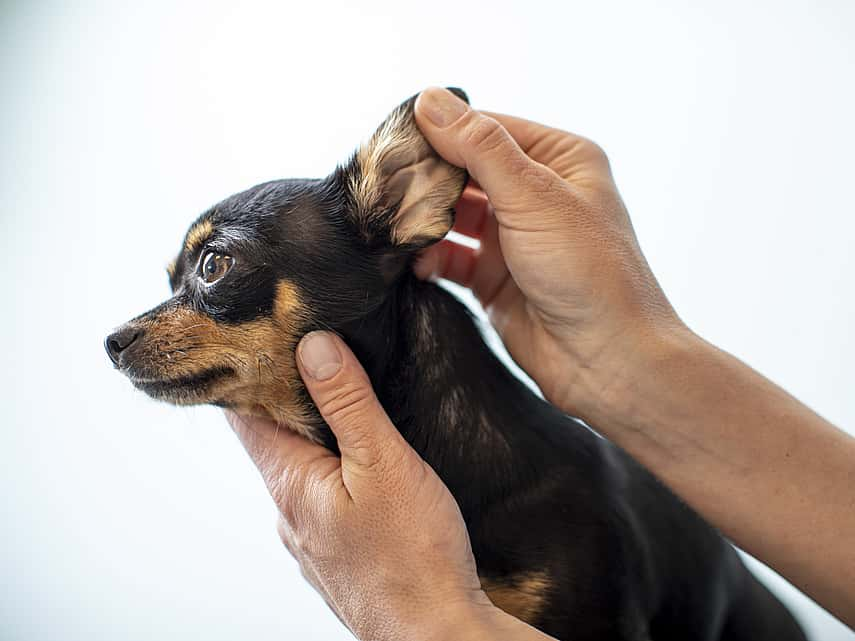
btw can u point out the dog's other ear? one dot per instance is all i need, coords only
(401, 192)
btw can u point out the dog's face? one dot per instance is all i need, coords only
(263, 267)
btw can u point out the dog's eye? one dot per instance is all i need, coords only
(214, 266)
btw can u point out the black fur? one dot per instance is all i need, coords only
(540, 492)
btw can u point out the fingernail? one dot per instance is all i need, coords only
(441, 106)
(319, 355)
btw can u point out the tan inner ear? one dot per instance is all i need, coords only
(424, 191)
(401, 173)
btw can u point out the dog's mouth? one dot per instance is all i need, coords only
(184, 389)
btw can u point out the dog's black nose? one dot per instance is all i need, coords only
(119, 341)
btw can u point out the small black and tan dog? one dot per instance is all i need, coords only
(569, 532)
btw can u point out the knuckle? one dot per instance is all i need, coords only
(592, 150)
(361, 442)
(282, 528)
(284, 532)
(283, 495)
(296, 544)
(484, 134)
(364, 459)
(384, 464)
(346, 402)
(290, 487)
(403, 471)
(538, 179)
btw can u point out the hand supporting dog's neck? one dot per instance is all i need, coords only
(448, 393)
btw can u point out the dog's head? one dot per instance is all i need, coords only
(263, 267)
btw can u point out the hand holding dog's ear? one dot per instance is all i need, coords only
(376, 532)
(559, 269)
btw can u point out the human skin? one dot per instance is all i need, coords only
(563, 280)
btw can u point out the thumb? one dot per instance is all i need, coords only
(471, 139)
(344, 397)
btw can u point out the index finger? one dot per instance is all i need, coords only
(569, 155)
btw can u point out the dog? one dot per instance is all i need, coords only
(570, 534)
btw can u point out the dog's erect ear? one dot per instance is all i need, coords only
(401, 192)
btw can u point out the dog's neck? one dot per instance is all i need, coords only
(450, 396)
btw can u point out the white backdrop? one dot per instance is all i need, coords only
(731, 132)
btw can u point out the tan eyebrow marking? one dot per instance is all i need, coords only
(198, 234)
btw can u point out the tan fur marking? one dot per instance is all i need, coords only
(198, 234)
(286, 305)
(183, 342)
(170, 269)
(522, 595)
(393, 136)
(397, 166)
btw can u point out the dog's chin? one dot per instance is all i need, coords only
(192, 389)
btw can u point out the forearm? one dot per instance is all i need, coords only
(773, 476)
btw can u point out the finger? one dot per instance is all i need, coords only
(482, 270)
(344, 397)
(527, 133)
(571, 156)
(447, 260)
(471, 213)
(285, 459)
(491, 271)
(472, 185)
(468, 138)
(506, 311)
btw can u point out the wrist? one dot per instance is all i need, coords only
(483, 622)
(464, 622)
(614, 389)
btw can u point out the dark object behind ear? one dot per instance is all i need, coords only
(457, 91)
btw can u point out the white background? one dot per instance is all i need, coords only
(731, 132)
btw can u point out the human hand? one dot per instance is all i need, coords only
(376, 532)
(560, 272)
(559, 269)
